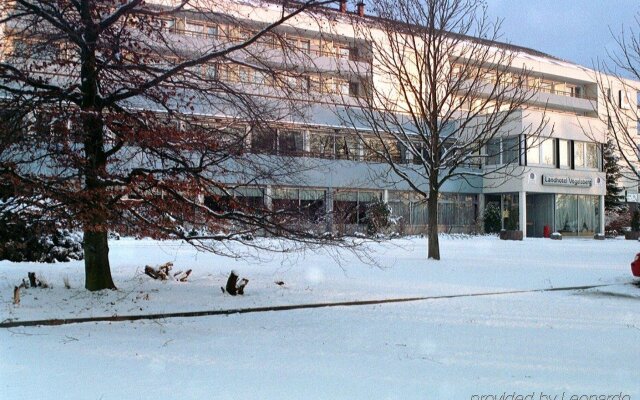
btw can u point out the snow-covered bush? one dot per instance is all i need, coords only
(25, 242)
(25, 237)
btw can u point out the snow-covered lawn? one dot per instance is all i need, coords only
(581, 342)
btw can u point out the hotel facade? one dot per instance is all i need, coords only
(557, 181)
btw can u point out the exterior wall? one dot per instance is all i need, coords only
(576, 117)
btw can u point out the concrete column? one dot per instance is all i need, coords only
(522, 211)
(601, 210)
(307, 141)
(481, 204)
(328, 208)
(385, 195)
(268, 199)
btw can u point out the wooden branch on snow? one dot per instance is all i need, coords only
(16, 292)
(16, 295)
(163, 273)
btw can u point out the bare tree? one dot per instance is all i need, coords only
(444, 91)
(125, 115)
(618, 79)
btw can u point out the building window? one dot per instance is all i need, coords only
(591, 155)
(533, 151)
(347, 147)
(493, 152)
(585, 155)
(503, 151)
(577, 214)
(343, 52)
(578, 154)
(511, 150)
(564, 153)
(548, 152)
(354, 89)
(264, 141)
(321, 145)
(377, 150)
(194, 29)
(541, 151)
(212, 31)
(350, 207)
(290, 143)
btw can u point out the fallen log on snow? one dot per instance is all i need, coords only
(235, 287)
(163, 273)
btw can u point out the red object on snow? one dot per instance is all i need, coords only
(635, 266)
(546, 232)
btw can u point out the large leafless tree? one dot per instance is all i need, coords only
(119, 115)
(618, 79)
(444, 90)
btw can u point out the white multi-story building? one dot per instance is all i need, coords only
(558, 184)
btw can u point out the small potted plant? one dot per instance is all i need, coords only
(511, 224)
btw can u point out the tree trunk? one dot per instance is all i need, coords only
(96, 261)
(432, 231)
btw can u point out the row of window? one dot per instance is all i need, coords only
(342, 146)
(548, 152)
(320, 47)
(309, 83)
(349, 206)
(544, 85)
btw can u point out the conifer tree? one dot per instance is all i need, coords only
(612, 200)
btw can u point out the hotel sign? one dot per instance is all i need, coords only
(551, 180)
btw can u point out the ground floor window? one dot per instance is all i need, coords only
(350, 206)
(251, 198)
(577, 214)
(509, 209)
(300, 204)
(456, 212)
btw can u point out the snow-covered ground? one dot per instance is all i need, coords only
(577, 343)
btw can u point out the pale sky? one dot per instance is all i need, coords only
(574, 30)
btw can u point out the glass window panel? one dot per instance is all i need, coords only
(368, 197)
(510, 150)
(346, 207)
(587, 218)
(342, 87)
(211, 71)
(290, 143)
(321, 145)
(346, 196)
(343, 52)
(565, 154)
(547, 148)
(347, 147)
(533, 151)
(263, 141)
(249, 191)
(305, 46)
(258, 77)
(566, 213)
(493, 152)
(284, 193)
(578, 154)
(591, 155)
(243, 75)
(311, 194)
(419, 213)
